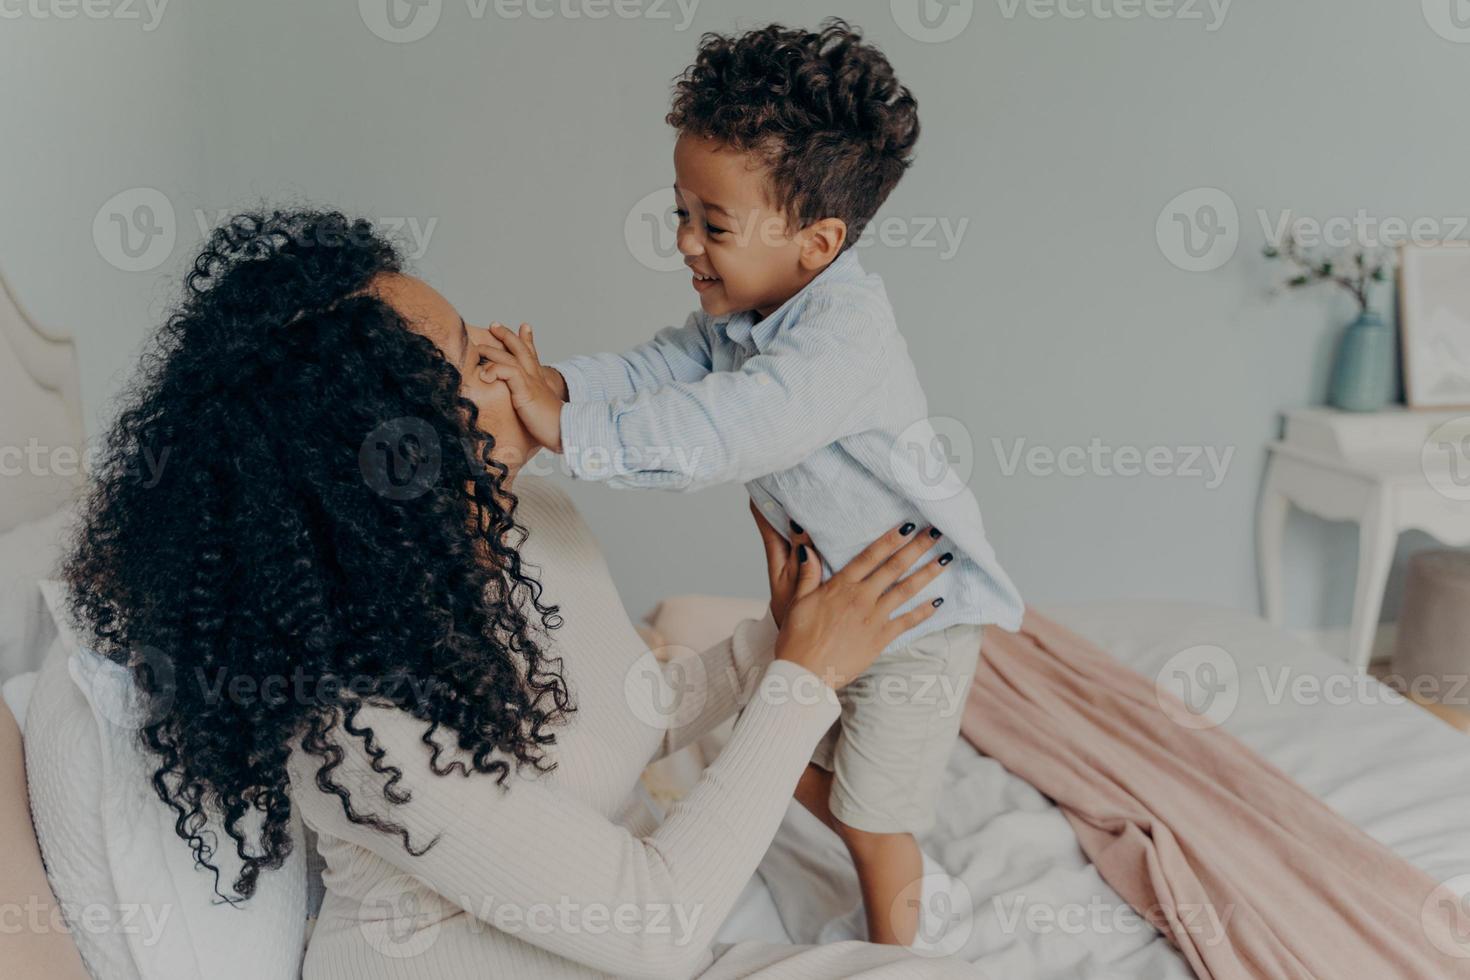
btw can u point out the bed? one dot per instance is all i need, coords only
(1041, 910)
(1393, 769)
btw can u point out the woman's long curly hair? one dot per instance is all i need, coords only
(294, 516)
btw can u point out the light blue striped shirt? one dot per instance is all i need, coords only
(816, 408)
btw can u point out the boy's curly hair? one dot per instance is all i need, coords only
(824, 112)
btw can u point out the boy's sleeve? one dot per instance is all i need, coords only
(814, 384)
(674, 354)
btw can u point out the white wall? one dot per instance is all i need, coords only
(526, 142)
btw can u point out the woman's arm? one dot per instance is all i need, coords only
(528, 846)
(32, 947)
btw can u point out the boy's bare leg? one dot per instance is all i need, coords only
(890, 870)
(813, 790)
(890, 867)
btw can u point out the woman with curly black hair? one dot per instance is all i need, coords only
(304, 541)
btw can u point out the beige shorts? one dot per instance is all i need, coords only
(888, 750)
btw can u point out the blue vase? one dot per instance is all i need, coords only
(1363, 374)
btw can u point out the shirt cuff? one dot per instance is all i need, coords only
(589, 440)
(579, 386)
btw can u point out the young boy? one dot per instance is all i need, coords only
(792, 377)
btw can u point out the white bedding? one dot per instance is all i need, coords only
(1042, 911)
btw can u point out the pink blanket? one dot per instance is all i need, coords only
(1248, 874)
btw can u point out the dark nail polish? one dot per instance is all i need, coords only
(801, 552)
(796, 528)
(937, 602)
(946, 558)
(907, 529)
(934, 532)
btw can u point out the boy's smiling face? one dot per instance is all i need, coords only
(737, 243)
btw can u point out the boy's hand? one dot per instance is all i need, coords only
(534, 397)
(555, 380)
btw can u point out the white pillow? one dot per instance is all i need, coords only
(137, 906)
(28, 553)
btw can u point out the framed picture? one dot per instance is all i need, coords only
(1434, 321)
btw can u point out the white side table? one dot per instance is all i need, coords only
(1388, 472)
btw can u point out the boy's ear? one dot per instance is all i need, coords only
(821, 241)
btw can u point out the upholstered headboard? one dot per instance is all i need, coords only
(41, 429)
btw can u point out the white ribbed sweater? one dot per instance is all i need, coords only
(556, 871)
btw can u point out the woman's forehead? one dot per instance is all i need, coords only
(421, 305)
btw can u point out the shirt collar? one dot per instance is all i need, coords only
(742, 327)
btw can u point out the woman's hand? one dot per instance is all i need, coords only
(533, 394)
(836, 629)
(784, 561)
